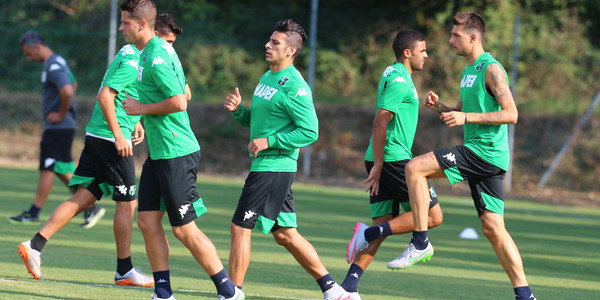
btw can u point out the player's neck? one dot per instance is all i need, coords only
(144, 40)
(46, 53)
(281, 65)
(406, 63)
(475, 53)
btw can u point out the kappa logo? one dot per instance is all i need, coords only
(49, 161)
(183, 210)
(161, 281)
(380, 229)
(387, 71)
(224, 280)
(157, 61)
(126, 50)
(249, 214)
(301, 92)
(168, 48)
(450, 157)
(133, 63)
(468, 81)
(355, 275)
(400, 79)
(329, 282)
(122, 189)
(54, 67)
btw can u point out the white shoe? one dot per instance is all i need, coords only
(358, 242)
(32, 259)
(354, 296)
(411, 256)
(134, 277)
(336, 292)
(239, 295)
(154, 297)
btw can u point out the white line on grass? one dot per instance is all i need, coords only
(186, 291)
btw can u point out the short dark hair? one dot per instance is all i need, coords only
(141, 9)
(31, 38)
(296, 36)
(165, 23)
(472, 21)
(406, 39)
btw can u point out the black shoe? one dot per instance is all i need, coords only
(92, 216)
(24, 218)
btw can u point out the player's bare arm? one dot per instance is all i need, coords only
(106, 101)
(432, 101)
(170, 105)
(138, 133)
(495, 81)
(188, 92)
(380, 123)
(66, 95)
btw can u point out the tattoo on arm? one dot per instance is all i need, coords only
(499, 88)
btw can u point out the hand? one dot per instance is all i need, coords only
(431, 100)
(453, 118)
(258, 145)
(372, 182)
(132, 107)
(233, 101)
(123, 146)
(54, 117)
(138, 134)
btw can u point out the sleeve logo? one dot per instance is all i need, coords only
(399, 79)
(301, 92)
(54, 67)
(157, 61)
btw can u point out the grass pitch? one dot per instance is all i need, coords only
(559, 245)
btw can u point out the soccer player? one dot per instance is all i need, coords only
(282, 119)
(168, 179)
(388, 153)
(59, 127)
(106, 166)
(484, 108)
(167, 29)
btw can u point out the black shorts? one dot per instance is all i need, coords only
(55, 151)
(170, 184)
(102, 171)
(267, 202)
(485, 180)
(393, 192)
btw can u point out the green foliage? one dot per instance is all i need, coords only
(223, 45)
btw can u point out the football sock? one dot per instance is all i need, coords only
(419, 239)
(34, 211)
(38, 242)
(239, 287)
(124, 265)
(162, 284)
(523, 292)
(223, 284)
(326, 282)
(350, 283)
(374, 232)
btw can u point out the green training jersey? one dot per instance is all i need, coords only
(397, 94)
(121, 77)
(490, 142)
(282, 110)
(160, 76)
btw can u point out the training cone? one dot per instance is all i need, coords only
(469, 233)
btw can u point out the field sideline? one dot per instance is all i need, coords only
(559, 245)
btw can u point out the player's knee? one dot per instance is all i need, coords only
(282, 238)
(492, 231)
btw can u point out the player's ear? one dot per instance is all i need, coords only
(143, 23)
(291, 50)
(407, 53)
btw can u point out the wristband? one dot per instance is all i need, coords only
(466, 121)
